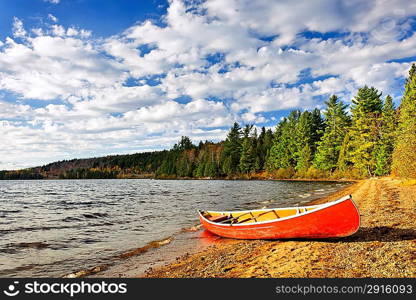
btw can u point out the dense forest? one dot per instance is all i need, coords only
(371, 137)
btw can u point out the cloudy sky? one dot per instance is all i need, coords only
(84, 78)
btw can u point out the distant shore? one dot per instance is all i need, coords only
(385, 245)
(257, 176)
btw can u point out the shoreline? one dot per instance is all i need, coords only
(199, 178)
(384, 246)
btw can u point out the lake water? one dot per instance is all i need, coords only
(55, 227)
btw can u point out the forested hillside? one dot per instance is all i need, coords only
(371, 137)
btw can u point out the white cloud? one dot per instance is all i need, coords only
(52, 1)
(49, 67)
(18, 29)
(52, 18)
(13, 111)
(381, 76)
(58, 30)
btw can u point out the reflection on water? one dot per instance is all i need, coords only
(50, 228)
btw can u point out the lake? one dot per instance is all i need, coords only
(50, 228)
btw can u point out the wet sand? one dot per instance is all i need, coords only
(384, 246)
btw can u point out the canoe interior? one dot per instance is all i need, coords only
(254, 216)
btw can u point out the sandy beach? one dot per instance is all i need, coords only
(384, 246)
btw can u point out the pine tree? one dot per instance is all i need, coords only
(184, 166)
(343, 162)
(304, 157)
(248, 154)
(364, 133)
(230, 156)
(200, 169)
(264, 143)
(283, 151)
(211, 169)
(384, 149)
(184, 144)
(317, 129)
(308, 132)
(304, 142)
(404, 154)
(383, 160)
(336, 125)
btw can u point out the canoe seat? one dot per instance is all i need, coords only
(218, 218)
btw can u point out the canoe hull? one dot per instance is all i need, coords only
(338, 220)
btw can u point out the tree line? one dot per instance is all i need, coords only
(243, 152)
(26, 174)
(371, 137)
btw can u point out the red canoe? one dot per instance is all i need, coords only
(339, 218)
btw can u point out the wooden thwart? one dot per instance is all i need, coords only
(255, 218)
(232, 220)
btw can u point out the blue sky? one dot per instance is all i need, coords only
(102, 17)
(82, 78)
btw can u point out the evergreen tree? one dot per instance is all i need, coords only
(343, 162)
(200, 145)
(383, 160)
(200, 169)
(264, 143)
(317, 129)
(304, 158)
(306, 135)
(168, 166)
(404, 155)
(336, 125)
(248, 154)
(364, 133)
(184, 144)
(384, 149)
(260, 153)
(230, 157)
(284, 146)
(184, 166)
(211, 168)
